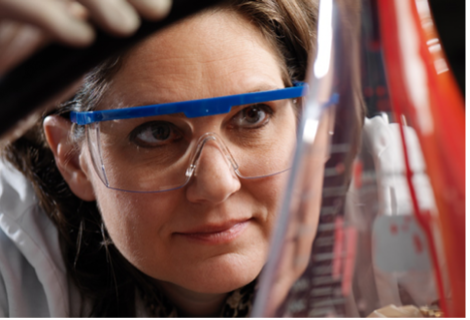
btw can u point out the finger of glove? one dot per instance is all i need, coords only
(117, 17)
(152, 9)
(50, 16)
(18, 41)
(78, 10)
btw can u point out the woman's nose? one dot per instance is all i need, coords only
(214, 179)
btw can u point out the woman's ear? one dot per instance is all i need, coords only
(69, 159)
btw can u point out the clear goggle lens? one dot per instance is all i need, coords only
(161, 153)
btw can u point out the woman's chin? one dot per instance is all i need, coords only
(221, 274)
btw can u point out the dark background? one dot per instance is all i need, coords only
(449, 16)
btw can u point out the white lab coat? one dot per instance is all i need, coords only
(33, 281)
(33, 277)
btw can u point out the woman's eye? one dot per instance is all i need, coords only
(253, 116)
(154, 134)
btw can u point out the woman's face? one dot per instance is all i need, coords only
(212, 235)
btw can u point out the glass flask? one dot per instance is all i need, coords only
(373, 218)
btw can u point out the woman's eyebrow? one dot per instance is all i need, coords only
(268, 87)
(260, 88)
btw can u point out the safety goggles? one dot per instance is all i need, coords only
(153, 148)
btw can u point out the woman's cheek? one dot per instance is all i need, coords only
(269, 192)
(134, 220)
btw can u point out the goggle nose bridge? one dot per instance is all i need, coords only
(205, 138)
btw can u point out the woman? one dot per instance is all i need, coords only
(134, 240)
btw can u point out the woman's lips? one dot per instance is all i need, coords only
(216, 234)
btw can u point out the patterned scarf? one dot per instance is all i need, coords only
(237, 305)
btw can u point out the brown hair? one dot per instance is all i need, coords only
(100, 272)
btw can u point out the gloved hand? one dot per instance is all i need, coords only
(26, 25)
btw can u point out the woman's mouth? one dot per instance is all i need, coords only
(216, 234)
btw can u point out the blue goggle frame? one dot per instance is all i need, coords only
(192, 108)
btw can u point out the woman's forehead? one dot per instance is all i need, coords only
(212, 54)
